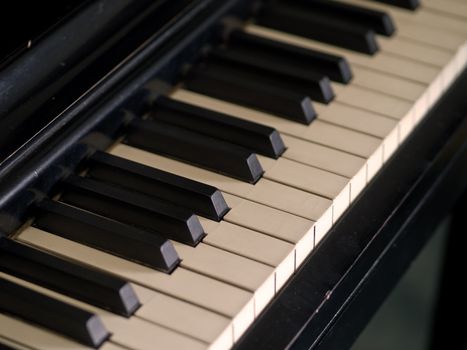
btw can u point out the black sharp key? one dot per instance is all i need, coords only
(105, 234)
(134, 208)
(191, 147)
(213, 81)
(203, 199)
(70, 321)
(295, 58)
(378, 21)
(91, 286)
(255, 137)
(407, 4)
(251, 68)
(286, 18)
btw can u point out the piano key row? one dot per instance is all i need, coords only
(289, 209)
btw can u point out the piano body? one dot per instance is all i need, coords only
(216, 174)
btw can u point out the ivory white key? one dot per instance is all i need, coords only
(267, 192)
(341, 163)
(278, 224)
(133, 333)
(11, 344)
(184, 317)
(253, 245)
(455, 9)
(33, 337)
(234, 269)
(183, 284)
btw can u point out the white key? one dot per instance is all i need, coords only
(184, 317)
(278, 224)
(183, 284)
(234, 269)
(456, 10)
(264, 191)
(253, 245)
(13, 345)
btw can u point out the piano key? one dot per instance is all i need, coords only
(372, 101)
(253, 245)
(281, 16)
(9, 345)
(264, 191)
(454, 9)
(133, 333)
(250, 67)
(230, 268)
(39, 338)
(203, 199)
(360, 120)
(192, 147)
(183, 284)
(70, 321)
(383, 62)
(185, 318)
(407, 4)
(298, 231)
(137, 209)
(335, 67)
(388, 85)
(255, 137)
(81, 283)
(265, 97)
(378, 21)
(102, 233)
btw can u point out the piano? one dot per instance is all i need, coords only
(223, 174)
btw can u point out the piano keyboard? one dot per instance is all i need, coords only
(183, 231)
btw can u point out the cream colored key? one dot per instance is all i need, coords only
(264, 191)
(341, 163)
(253, 245)
(456, 9)
(387, 84)
(35, 337)
(183, 284)
(234, 269)
(414, 50)
(356, 119)
(372, 101)
(129, 332)
(386, 63)
(276, 223)
(309, 179)
(13, 345)
(392, 107)
(184, 317)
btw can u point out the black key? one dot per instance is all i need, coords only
(82, 326)
(251, 68)
(255, 137)
(294, 58)
(354, 15)
(133, 208)
(91, 286)
(294, 20)
(217, 82)
(186, 145)
(105, 234)
(203, 199)
(407, 4)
